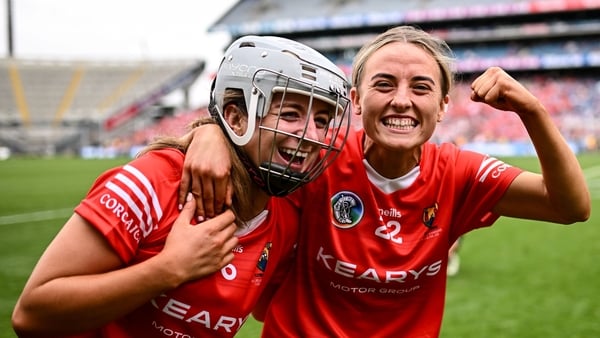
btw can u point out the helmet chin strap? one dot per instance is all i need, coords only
(279, 180)
(272, 178)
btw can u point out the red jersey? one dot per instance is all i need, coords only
(373, 264)
(134, 207)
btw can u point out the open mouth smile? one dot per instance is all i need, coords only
(293, 156)
(400, 123)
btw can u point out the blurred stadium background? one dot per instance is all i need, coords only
(107, 109)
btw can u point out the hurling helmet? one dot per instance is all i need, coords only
(261, 66)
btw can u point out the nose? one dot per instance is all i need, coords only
(401, 98)
(311, 132)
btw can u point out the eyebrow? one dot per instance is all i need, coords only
(415, 78)
(424, 78)
(383, 75)
(290, 104)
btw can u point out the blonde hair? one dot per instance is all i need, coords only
(437, 47)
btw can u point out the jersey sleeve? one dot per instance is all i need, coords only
(484, 182)
(126, 204)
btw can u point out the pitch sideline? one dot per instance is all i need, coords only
(592, 175)
(35, 216)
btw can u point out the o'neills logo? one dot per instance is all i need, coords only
(347, 209)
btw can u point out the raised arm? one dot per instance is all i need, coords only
(560, 194)
(80, 283)
(207, 176)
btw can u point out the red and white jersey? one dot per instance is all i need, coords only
(373, 264)
(134, 207)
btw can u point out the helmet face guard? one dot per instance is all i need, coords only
(268, 68)
(282, 179)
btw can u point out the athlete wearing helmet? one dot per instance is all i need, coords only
(129, 264)
(268, 69)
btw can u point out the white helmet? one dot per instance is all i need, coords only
(260, 66)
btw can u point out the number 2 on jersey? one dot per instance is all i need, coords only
(390, 231)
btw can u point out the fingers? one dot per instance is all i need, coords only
(207, 168)
(187, 211)
(197, 192)
(483, 85)
(195, 251)
(216, 193)
(499, 90)
(223, 194)
(228, 251)
(491, 87)
(208, 196)
(223, 229)
(184, 188)
(229, 194)
(224, 220)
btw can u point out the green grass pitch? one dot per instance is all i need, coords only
(517, 278)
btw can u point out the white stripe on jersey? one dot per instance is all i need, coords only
(131, 204)
(149, 189)
(144, 193)
(140, 195)
(488, 164)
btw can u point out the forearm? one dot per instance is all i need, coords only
(207, 169)
(80, 303)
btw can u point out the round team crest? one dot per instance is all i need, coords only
(347, 209)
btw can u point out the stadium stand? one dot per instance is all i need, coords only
(552, 46)
(49, 107)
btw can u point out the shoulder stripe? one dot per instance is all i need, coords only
(149, 188)
(139, 194)
(130, 203)
(487, 166)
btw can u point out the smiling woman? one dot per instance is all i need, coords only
(141, 262)
(401, 200)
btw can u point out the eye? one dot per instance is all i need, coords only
(422, 87)
(290, 115)
(383, 85)
(322, 119)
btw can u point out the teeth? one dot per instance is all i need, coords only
(293, 152)
(400, 123)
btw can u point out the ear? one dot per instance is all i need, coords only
(236, 120)
(443, 108)
(355, 100)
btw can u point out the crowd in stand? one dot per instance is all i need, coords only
(573, 102)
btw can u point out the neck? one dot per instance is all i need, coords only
(391, 164)
(258, 202)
